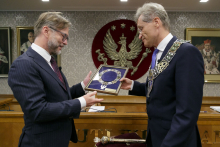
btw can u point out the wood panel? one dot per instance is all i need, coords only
(127, 100)
(210, 101)
(130, 117)
(91, 125)
(7, 96)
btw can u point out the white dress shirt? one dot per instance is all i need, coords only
(47, 57)
(161, 47)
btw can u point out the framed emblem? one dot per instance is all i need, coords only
(207, 40)
(106, 79)
(5, 51)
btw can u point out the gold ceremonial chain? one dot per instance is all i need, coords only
(104, 83)
(153, 73)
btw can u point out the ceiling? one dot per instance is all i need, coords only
(106, 5)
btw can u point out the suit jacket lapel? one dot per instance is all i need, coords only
(168, 47)
(38, 59)
(165, 51)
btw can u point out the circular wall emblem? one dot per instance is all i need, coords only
(117, 43)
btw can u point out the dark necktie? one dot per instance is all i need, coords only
(154, 58)
(57, 71)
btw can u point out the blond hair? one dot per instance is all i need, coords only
(51, 19)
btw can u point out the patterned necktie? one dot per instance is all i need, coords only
(57, 71)
(154, 58)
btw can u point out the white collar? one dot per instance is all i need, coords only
(162, 45)
(41, 52)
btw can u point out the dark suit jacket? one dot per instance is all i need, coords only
(47, 106)
(175, 100)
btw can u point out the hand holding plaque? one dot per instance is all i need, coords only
(107, 79)
(87, 78)
(90, 100)
(126, 83)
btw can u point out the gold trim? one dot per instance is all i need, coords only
(212, 78)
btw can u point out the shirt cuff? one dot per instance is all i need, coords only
(132, 85)
(82, 102)
(83, 85)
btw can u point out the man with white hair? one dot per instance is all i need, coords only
(174, 86)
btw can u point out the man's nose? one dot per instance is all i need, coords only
(140, 35)
(65, 42)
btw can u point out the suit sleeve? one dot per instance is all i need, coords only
(189, 80)
(28, 88)
(77, 91)
(139, 89)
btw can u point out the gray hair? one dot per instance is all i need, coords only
(51, 19)
(151, 10)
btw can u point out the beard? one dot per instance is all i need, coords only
(53, 46)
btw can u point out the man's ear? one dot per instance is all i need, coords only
(45, 31)
(157, 21)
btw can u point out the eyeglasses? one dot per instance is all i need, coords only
(65, 36)
(139, 31)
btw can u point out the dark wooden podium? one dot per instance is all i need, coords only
(131, 117)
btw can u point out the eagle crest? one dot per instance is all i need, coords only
(121, 58)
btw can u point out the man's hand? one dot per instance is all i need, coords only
(91, 100)
(87, 78)
(126, 83)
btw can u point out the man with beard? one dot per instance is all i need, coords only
(27, 44)
(48, 103)
(174, 87)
